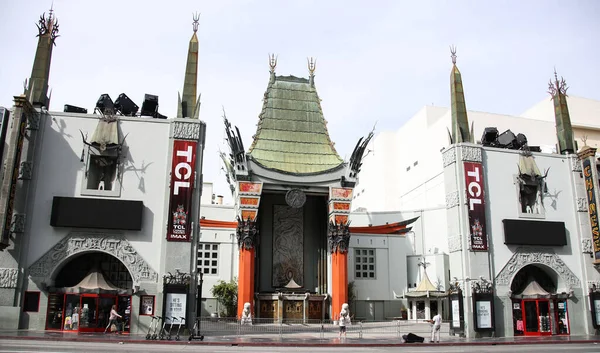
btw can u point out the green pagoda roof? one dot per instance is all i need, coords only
(292, 134)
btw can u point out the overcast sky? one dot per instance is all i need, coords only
(377, 61)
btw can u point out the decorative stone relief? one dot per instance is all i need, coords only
(295, 198)
(575, 163)
(288, 246)
(472, 154)
(482, 286)
(186, 130)
(586, 245)
(527, 256)
(452, 199)
(79, 242)
(449, 156)
(33, 121)
(454, 243)
(8, 277)
(582, 205)
(26, 170)
(18, 223)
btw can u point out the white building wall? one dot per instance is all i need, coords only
(60, 172)
(390, 266)
(226, 239)
(502, 203)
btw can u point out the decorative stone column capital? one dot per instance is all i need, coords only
(246, 233)
(338, 237)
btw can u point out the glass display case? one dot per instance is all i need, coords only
(54, 315)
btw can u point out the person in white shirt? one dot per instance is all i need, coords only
(436, 322)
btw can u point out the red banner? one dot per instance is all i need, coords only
(182, 188)
(476, 204)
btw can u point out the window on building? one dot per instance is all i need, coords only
(208, 258)
(364, 263)
(407, 168)
(31, 302)
(415, 163)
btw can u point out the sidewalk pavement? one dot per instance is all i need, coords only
(296, 340)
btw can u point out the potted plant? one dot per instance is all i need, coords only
(226, 295)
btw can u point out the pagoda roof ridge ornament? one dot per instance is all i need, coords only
(272, 63)
(312, 65)
(196, 19)
(453, 52)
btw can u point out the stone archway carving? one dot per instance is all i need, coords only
(80, 242)
(530, 256)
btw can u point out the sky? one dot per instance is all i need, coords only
(378, 62)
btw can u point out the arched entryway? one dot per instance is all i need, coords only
(538, 309)
(85, 288)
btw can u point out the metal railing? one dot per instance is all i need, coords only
(315, 328)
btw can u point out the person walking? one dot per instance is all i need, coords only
(436, 322)
(112, 320)
(344, 319)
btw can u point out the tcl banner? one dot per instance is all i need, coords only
(182, 187)
(475, 202)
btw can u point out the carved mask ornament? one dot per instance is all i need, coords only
(247, 233)
(338, 236)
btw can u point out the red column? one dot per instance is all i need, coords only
(246, 280)
(339, 281)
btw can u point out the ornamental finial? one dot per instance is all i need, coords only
(48, 25)
(196, 18)
(312, 65)
(272, 62)
(557, 86)
(453, 52)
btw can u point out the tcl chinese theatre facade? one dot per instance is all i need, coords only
(293, 197)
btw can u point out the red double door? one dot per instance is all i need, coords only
(536, 315)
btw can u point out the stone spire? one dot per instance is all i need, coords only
(189, 106)
(40, 73)
(460, 122)
(564, 131)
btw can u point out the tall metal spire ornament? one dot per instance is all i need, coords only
(188, 104)
(40, 73)
(459, 131)
(564, 130)
(196, 18)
